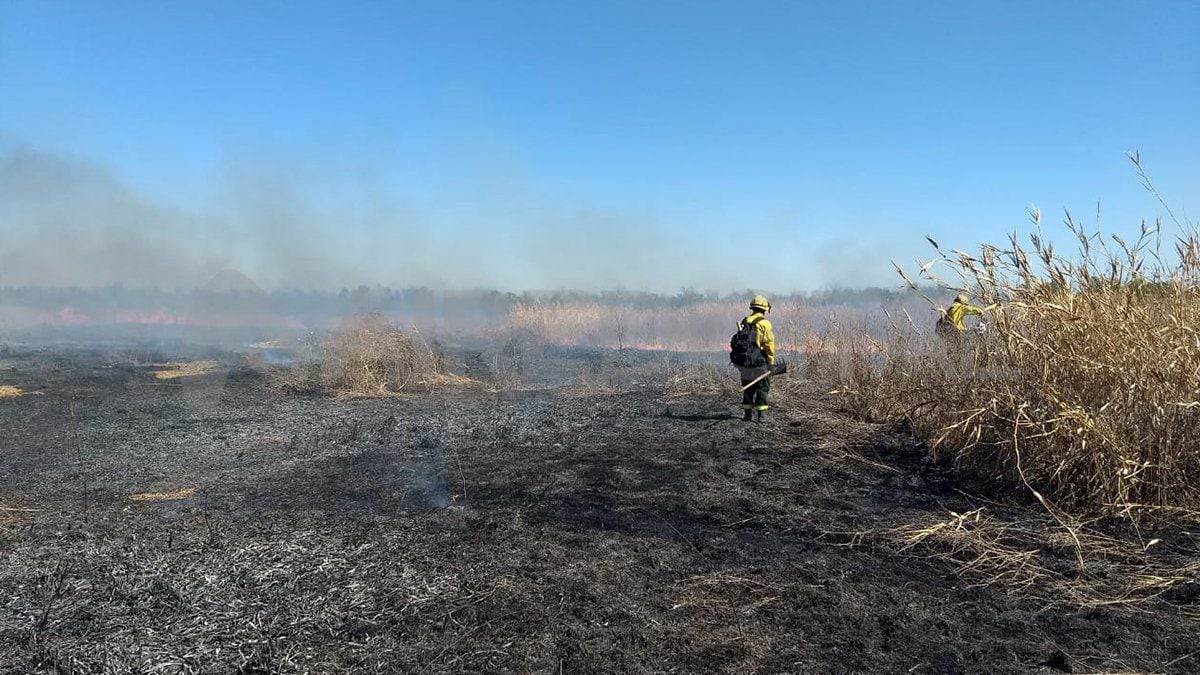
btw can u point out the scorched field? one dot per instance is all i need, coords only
(187, 518)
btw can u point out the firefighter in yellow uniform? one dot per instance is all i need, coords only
(754, 399)
(961, 308)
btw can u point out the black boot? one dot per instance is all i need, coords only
(748, 416)
(762, 416)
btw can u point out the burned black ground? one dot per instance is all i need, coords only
(550, 528)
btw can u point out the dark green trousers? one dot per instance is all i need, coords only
(755, 398)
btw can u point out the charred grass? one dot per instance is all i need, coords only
(637, 529)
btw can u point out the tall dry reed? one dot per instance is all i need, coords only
(1086, 386)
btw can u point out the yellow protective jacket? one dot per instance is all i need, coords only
(762, 335)
(959, 311)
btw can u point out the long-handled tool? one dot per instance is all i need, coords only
(779, 368)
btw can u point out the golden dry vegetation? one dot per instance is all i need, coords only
(1085, 387)
(368, 356)
(171, 371)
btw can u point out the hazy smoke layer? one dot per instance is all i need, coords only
(294, 224)
(68, 222)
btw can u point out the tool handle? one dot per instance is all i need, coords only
(756, 380)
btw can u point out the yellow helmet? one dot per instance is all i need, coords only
(962, 299)
(761, 303)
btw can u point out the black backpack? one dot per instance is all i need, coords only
(743, 346)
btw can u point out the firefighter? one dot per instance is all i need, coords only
(756, 330)
(952, 322)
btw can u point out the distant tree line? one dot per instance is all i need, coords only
(483, 304)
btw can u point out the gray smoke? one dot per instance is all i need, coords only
(68, 222)
(290, 223)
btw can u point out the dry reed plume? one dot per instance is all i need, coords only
(1087, 383)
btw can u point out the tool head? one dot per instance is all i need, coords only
(780, 367)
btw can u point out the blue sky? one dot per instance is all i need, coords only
(722, 145)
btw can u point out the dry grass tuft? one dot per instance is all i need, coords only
(9, 391)
(171, 371)
(684, 380)
(591, 384)
(371, 357)
(987, 549)
(11, 514)
(367, 357)
(182, 493)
